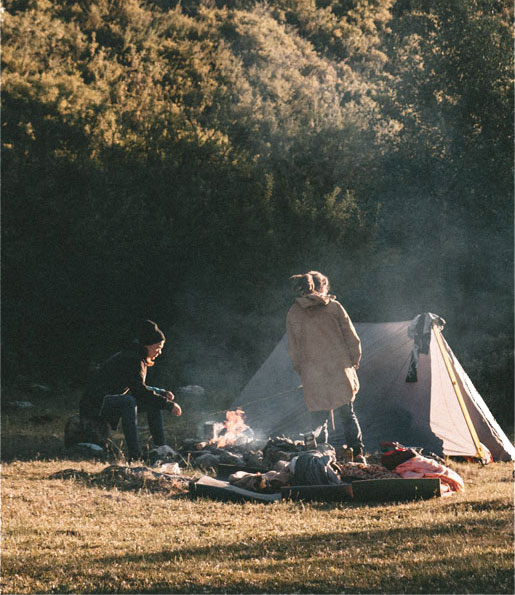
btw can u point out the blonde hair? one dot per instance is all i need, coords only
(303, 284)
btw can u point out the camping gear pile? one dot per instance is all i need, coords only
(294, 466)
(316, 474)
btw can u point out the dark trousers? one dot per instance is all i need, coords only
(352, 431)
(115, 407)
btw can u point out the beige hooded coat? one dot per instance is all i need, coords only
(324, 348)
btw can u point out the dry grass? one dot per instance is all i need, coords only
(72, 536)
(84, 532)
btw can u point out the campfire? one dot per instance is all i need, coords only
(235, 431)
(232, 443)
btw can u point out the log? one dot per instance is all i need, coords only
(319, 493)
(391, 490)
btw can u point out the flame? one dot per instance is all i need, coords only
(234, 426)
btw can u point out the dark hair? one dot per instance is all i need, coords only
(149, 333)
(303, 284)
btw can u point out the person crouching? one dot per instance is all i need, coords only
(118, 389)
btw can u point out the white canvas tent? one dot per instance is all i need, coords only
(426, 413)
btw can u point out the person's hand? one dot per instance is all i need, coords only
(356, 366)
(169, 395)
(176, 409)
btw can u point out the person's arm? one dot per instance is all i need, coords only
(162, 392)
(139, 389)
(171, 405)
(350, 336)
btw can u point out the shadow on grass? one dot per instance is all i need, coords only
(29, 447)
(35, 432)
(308, 546)
(278, 564)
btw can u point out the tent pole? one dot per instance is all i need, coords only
(461, 401)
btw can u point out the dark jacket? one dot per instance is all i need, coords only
(124, 372)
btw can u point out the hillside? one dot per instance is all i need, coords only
(180, 161)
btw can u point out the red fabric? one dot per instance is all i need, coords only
(419, 466)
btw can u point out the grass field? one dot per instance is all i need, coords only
(73, 533)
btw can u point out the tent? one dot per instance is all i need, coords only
(439, 409)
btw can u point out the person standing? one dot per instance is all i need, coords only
(118, 389)
(325, 350)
